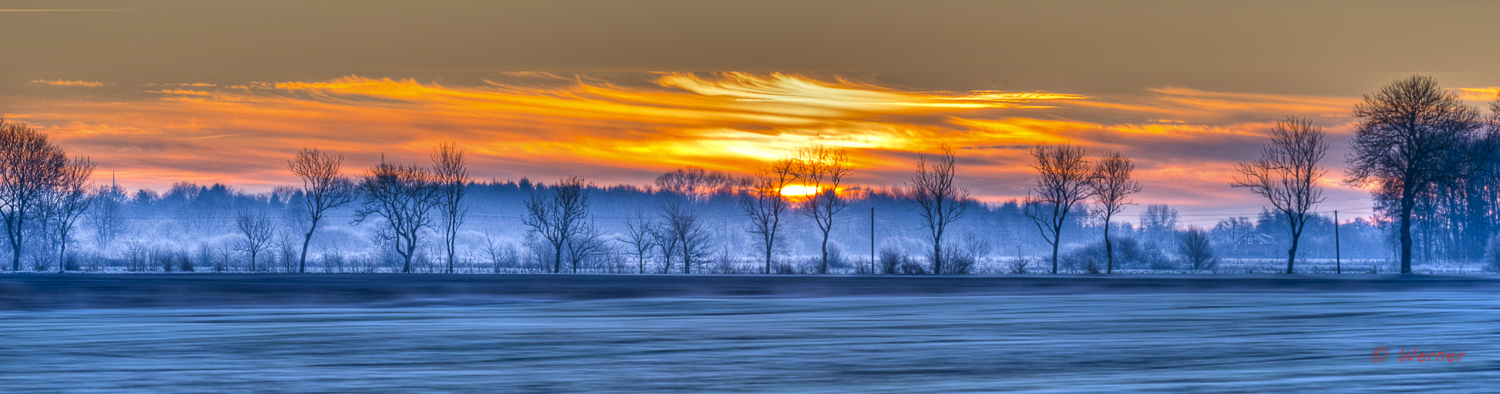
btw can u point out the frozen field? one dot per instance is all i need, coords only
(1251, 334)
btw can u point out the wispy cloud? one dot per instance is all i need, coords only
(63, 82)
(543, 125)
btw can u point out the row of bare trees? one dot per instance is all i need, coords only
(403, 197)
(1067, 179)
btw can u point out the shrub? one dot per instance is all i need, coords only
(1018, 266)
(893, 261)
(1491, 254)
(958, 262)
(890, 260)
(1197, 253)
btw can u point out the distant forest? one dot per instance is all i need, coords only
(1430, 158)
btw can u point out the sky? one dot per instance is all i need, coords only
(158, 92)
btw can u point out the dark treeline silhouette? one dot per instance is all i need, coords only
(1429, 157)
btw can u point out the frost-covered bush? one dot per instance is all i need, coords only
(1196, 251)
(1492, 254)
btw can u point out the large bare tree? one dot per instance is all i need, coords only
(404, 197)
(1062, 182)
(1111, 185)
(323, 188)
(30, 167)
(822, 170)
(1287, 174)
(452, 174)
(67, 201)
(1411, 137)
(257, 229)
(765, 204)
(560, 216)
(938, 201)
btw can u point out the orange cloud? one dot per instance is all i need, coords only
(60, 82)
(545, 125)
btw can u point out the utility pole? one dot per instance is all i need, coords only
(872, 239)
(1338, 262)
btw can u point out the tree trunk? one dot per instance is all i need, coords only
(557, 259)
(1406, 204)
(1109, 250)
(14, 233)
(62, 253)
(306, 239)
(823, 270)
(937, 255)
(1291, 254)
(1054, 251)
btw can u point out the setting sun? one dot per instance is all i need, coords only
(799, 190)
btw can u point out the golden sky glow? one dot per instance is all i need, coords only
(627, 129)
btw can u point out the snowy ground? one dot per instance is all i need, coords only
(1250, 334)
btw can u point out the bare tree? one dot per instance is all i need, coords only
(666, 243)
(822, 170)
(584, 244)
(1112, 186)
(323, 188)
(105, 216)
(257, 229)
(638, 235)
(1062, 182)
(939, 202)
(67, 200)
(404, 197)
(29, 168)
(680, 224)
(1411, 137)
(560, 217)
(694, 182)
(765, 204)
(1287, 174)
(1159, 222)
(452, 175)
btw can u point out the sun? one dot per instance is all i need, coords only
(799, 190)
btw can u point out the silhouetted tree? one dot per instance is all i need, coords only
(323, 188)
(30, 167)
(257, 229)
(67, 200)
(823, 170)
(680, 224)
(694, 182)
(1111, 186)
(404, 197)
(764, 203)
(584, 244)
(638, 235)
(1287, 174)
(1411, 136)
(452, 175)
(1062, 182)
(938, 201)
(560, 217)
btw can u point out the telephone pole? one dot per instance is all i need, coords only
(1338, 262)
(872, 239)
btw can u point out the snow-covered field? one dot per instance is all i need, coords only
(1314, 335)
